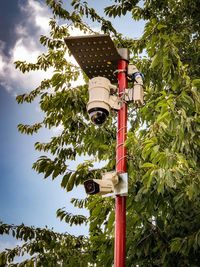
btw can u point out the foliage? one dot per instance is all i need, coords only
(45, 247)
(163, 219)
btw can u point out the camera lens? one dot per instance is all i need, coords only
(98, 115)
(91, 187)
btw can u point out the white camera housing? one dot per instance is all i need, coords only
(136, 94)
(100, 99)
(111, 184)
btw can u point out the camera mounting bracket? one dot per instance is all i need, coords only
(120, 183)
(115, 102)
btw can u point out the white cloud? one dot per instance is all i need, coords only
(22, 52)
(12, 79)
(21, 30)
(58, 130)
(2, 64)
(26, 48)
(41, 15)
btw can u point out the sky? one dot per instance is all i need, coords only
(25, 197)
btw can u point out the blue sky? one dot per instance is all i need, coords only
(24, 195)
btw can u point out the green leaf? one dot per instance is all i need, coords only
(149, 165)
(162, 117)
(71, 181)
(161, 26)
(155, 61)
(176, 244)
(196, 83)
(65, 180)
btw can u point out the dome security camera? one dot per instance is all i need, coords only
(99, 104)
(98, 115)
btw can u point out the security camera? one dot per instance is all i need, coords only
(100, 100)
(98, 186)
(102, 186)
(137, 92)
(111, 184)
(98, 115)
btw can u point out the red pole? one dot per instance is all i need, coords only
(120, 201)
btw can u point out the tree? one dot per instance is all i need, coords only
(163, 219)
(45, 247)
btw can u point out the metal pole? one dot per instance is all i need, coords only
(120, 201)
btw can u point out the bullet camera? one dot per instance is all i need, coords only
(111, 184)
(98, 186)
(100, 100)
(102, 186)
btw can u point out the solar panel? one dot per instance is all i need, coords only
(96, 55)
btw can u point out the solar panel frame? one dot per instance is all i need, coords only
(96, 55)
